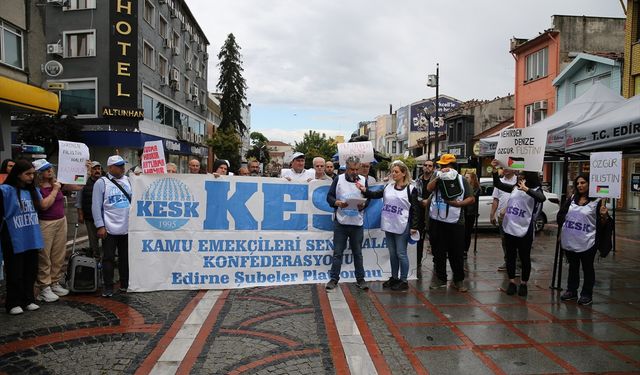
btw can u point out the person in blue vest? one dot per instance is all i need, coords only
(583, 224)
(348, 222)
(523, 207)
(400, 204)
(20, 236)
(110, 208)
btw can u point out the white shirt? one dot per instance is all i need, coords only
(502, 196)
(303, 176)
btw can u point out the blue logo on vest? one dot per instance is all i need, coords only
(167, 204)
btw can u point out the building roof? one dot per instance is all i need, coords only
(277, 143)
(549, 33)
(494, 129)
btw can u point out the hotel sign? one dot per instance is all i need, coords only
(123, 112)
(123, 90)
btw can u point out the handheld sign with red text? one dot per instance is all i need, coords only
(153, 158)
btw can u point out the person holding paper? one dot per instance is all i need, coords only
(53, 224)
(400, 204)
(348, 222)
(524, 205)
(583, 222)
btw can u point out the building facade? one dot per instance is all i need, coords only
(631, 73)
(131, 71)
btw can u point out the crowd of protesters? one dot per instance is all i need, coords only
(439, 208)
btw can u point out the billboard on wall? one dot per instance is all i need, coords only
(402, 116)
(423, 113)
(381, 130)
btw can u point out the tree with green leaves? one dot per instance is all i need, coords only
(46, 131)
(258, 150)
(232, 86)
(315, 144)
(225, 144)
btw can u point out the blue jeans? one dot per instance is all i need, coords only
(342, 233)
(397, 245)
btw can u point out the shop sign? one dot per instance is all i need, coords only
(172, 145)
(123, 112)
(635, 182)
(458, 150)
(123, 44)
(53, 68)
(476, 148)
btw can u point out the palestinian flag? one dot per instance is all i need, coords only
(602, 189)
(78, 178)
(516, 163)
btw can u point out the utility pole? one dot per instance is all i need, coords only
(434, 81)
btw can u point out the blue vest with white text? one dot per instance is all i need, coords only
(21, 220)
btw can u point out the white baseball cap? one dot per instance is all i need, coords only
(41, 165)
(116, 160)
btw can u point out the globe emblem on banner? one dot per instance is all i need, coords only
(167, 204)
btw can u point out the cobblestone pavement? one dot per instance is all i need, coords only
(292, 329)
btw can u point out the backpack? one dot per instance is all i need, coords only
(450, 189)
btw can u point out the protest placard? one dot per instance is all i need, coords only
(72, 159)
(522, 149)
(605, 174)
(361, 150)
(153, 158)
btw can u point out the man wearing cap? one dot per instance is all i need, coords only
(297, 171)
(447, 224)
(84, 200)
(110, 209)
(348, 222)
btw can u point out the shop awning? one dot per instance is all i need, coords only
(23, 95)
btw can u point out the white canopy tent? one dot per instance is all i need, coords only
(594, 102)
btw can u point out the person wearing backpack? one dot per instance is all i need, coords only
(451, 193)
(399, 204)
(585, 227)
(523, 207)
(110, 205)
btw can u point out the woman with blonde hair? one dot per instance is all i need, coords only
(399, 200)
(53, 223)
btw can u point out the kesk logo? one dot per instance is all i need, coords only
(167, 204)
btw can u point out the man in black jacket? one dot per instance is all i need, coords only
(83, 205)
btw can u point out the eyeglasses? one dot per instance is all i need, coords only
(428, 165)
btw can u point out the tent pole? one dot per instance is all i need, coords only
(614, 224)
(475, 229)
(557, 260)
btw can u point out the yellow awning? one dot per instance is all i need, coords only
(23, 95)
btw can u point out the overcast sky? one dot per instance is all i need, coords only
(328, 64)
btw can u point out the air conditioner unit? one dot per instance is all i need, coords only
(166, 43)
(194, 92)
(196, 101)
(540, 105)
(189, 65)
(164, 80)
(543, 104)
(175, 75)
(175, 50)
(54, 49)
(193, 137)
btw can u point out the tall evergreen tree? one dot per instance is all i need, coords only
(232, 86)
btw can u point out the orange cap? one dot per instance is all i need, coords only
(446, 159)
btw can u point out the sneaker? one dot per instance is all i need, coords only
(47, 295)
(503, 267)
(16, 310)
(522, 290)
(390, 283)
(107, 292)
(361, 284)
(32, 307)
(122, 290)
(400, 285)
(569, 296)
(331, 284)
(459, 285)
(437, 283)
(584, 300)
(59, 290)
(512, 289)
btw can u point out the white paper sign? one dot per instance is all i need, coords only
(522, 149)
(361, 150)
(605, 174)
(201, 232)
(153, 158)
(72, 160)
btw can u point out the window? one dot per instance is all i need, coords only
(196, 65)
(175, 41)
(163, 66)
(80, 43)
(79, 99)
(535, 112)
(11, 45)
(177, 120)
(204, 71)
(148, 56)
(149, 13)
(537, 65)
(147, 106)
(80, 4)
(164, 28)
(187, 52)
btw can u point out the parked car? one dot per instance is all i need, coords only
(550, 207)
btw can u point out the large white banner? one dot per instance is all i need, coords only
(72, 159)
(605, 174)
(522, 149)
(201, 232)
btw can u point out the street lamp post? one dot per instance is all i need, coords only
(434, 81)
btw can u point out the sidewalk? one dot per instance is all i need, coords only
(303, 329)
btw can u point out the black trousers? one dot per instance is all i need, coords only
(469, 223)
(447, 241)
(22, 270)
(585, 258)
(110, 246)
(519, 247)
